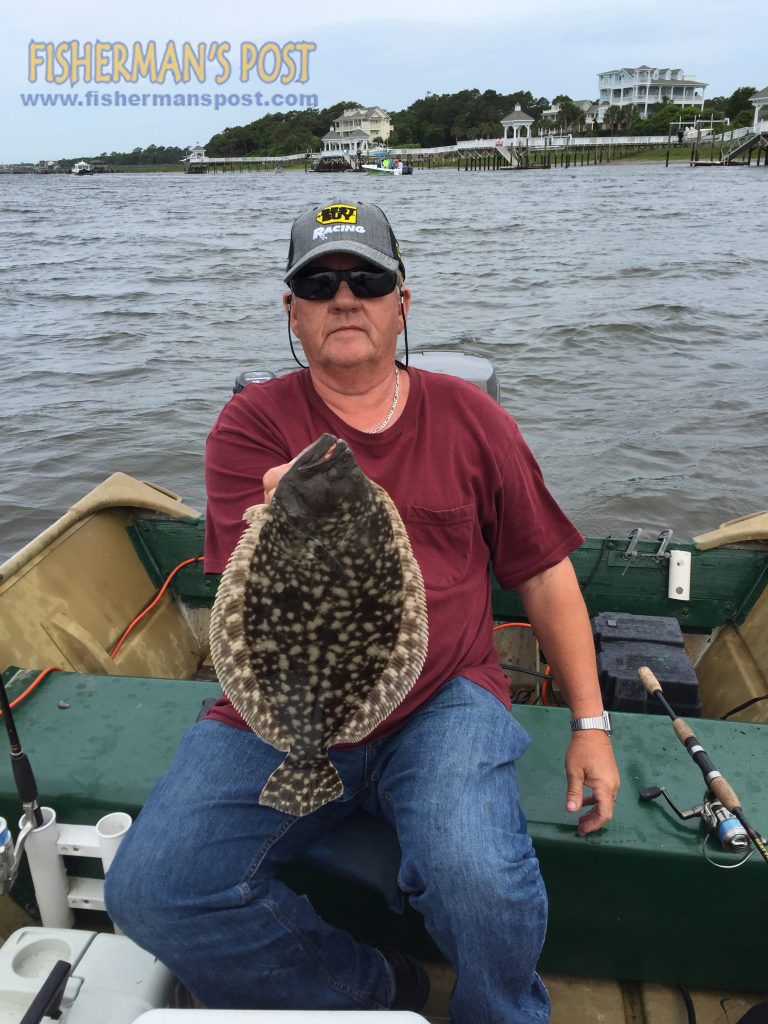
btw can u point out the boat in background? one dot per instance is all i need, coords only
(385, 165)
(104, 649)
(81, 168)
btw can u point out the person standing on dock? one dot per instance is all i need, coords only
(195, 880)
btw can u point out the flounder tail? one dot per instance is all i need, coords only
(299, 787)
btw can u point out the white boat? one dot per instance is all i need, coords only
(398, 171)
(81, 168)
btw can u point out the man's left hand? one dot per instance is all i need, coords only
(589, 762)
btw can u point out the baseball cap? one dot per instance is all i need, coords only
(361, 229)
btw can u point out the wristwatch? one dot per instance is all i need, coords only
(602, 722)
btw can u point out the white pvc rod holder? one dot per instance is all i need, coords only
(110, 831)
(48, 875)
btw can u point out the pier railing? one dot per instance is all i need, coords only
(220, 160)
(732, 135)
(557, 142)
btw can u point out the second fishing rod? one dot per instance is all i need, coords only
(714, 779)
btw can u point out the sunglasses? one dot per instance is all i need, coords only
(320, 284)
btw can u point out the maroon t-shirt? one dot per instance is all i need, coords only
(465, 483)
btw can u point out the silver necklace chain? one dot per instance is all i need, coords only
(391, 413)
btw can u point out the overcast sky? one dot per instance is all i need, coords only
(387, 54)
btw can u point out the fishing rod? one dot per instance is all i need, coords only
(714, 779)
(47, 1002)
(22, 769)
(26, 787)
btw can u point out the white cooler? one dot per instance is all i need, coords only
(279, 1017)
(112, 981)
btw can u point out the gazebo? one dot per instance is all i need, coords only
(519, 122)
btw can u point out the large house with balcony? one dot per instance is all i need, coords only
(645, 86)
(357, 130)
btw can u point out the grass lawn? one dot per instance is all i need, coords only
(677, 154)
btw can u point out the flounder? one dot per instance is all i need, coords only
(319, 628)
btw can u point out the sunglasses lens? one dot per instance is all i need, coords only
(371, 284)
(321, 285)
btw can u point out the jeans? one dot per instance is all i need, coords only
(193, 881)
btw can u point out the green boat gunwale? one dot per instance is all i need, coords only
(725, 582)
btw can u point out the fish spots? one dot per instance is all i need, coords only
(319, 629)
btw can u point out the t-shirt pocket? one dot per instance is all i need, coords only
(442, 543)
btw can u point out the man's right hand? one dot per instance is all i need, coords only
(273, 477)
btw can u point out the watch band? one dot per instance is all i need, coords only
(601, 722)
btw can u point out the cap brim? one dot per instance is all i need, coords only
(378, 259)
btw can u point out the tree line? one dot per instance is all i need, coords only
(149, 156)
(444, 119)
(435, 120)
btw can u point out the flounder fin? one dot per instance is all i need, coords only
(255, 514)
(300, 787)
(229, 645)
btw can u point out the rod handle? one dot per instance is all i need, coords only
(649, 680)
(683, 731)
(725, 794)
(721, 789)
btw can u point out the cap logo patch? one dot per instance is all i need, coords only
(337, 213)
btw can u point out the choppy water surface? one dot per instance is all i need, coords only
(623, 308)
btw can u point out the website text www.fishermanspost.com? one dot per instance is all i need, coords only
(119, 99)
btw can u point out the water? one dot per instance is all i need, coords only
(623, 308)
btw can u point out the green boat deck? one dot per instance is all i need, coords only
(635, 901)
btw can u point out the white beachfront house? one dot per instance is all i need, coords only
(518, 122)
(760, 101)
(587, 107)
(357, 130)
(645, 86)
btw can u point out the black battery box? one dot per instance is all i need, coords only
(623, 643)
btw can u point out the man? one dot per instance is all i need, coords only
(194, 880)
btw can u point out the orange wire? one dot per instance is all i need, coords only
(545, 684)
(151, 605)
(547, 671)
(32, 685)
(53, 668)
